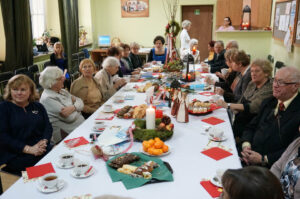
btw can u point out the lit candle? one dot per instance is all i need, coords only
(150, 118)
(194, 50)
(189, 77)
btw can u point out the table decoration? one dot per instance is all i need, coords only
(213, 120)
(155, 147)
(213, 190)
(216, 153)
(159, 174)
(164, 129)
(183, 113)
(206, 93)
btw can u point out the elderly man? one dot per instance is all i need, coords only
(232, 44)
(218, 61)
(276, 125)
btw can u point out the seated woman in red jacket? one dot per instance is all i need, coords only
(25, 130)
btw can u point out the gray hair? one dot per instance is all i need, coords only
(186, 23)
(110, 62)
(220, 42)
(49, 76)
(233, 44)
(134, 44)
(193, 42)
(265, 66)
(293, 73)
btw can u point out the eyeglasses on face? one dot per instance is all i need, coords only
(282, 83)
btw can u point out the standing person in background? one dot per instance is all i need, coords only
(59, 58)
(184, 35)
(227, 26)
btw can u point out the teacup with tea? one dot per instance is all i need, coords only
(67, 159)
(49, 180)
(81, 167)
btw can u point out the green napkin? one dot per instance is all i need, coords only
(160, 173)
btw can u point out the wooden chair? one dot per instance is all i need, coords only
(6, 179)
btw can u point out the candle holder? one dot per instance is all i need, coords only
(246, 19)
(188, 76)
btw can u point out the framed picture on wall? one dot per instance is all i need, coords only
(135, 8)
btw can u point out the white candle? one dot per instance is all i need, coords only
(150, 118)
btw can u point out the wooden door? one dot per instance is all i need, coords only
(201, 17)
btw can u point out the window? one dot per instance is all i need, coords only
(37, 9)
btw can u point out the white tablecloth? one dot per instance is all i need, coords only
(189, 164)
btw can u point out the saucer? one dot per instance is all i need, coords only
(99, 129)
(92, 171)
(215, 139)
(44, 189)
(60, 165)
(107, 111)
(216, 182)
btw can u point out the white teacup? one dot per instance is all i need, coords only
(67, 159)
(49, 180)
(107, 108)
(219, 174)
(81, 167)
(118, 98)
(216, 132)
(158, 62)
(224, 71)
(216, 97)
(127, 78)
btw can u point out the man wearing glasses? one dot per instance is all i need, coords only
(276, 125)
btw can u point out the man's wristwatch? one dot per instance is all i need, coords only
(228, 105)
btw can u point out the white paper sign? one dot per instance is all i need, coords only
(288, 8)
(277, 17)
(281, 22)
(298, 31)
(287, 22)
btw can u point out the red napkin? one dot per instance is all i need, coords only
(39, 170)
(75, 142)
(213, 190)
(206, 93)
(141, 80)
(216, 153)
(155, 73)
(213, 120)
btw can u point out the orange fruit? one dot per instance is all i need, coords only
(157, 139)
(158, 144)
(145, 143)
(165, 148)
(150, 150)
(157, 151)
(151, 142)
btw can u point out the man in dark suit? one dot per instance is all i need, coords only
(276, 125)
(218, 62)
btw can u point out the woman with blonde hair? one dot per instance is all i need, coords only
(87, 88)
(25, 130)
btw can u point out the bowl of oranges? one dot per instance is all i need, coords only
(155, 147)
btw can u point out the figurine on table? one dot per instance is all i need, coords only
(183, 114)
(175, 103)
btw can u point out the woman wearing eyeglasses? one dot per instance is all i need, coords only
(227, 26)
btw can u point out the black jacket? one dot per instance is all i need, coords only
(218, 62)
(270, 135)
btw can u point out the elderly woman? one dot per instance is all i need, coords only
(87, 88)
(184, 35)
(240, 64)
(227, 26)
(227, 79)
(193, 50)
(64, 109)
(249, 183)
(134, 57)
(105, 77)
(25, 130)
(287, 170)
(257, 90)
(158, 53)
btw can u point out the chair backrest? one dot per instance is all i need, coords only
(33, 68)
(47, 63)
(278, 65)
(270, 58)
(6, 75)
(23, 70)
(81, 56)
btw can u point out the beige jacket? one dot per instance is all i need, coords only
(80, 89)
(107, 84)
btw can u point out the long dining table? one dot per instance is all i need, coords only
(189, 165)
